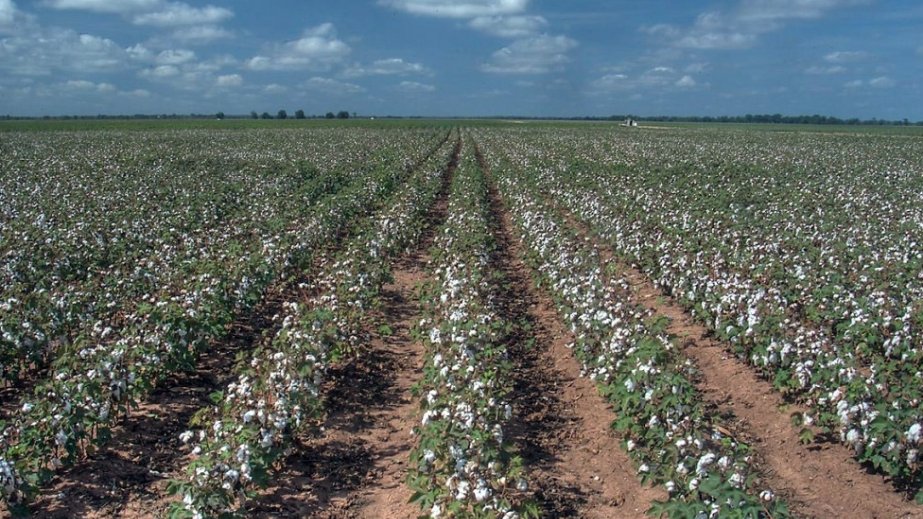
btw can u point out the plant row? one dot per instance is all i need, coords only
(875, 408)
(101, 234)
(96, 384)
(623, 347)
(277, 394)
(463, 464)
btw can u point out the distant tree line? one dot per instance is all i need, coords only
(343, 114)
(767, 118)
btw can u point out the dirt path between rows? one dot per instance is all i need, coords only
(357, 466)
(575, 464)
(817, 480)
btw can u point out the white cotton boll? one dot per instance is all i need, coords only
(630, 445)
(27, 407)
(186, 436)
(670, 486)
(767, 495)
(915, 433)
(249, 416)
(482, 491)
(436, 511)
(461, 492)
(644, 468)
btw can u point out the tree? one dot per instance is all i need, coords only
(330, 115)
(253, 115)
(265, 115)
(299, 114)
(219, 115)
(282, 115)
(342, 114)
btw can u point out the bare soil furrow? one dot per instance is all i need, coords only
(575, 463)
(819, 480)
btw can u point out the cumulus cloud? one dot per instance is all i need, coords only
(7, 12)
(509, 26)
(317, 49)
(882, 82)
(43, 51)
(160, 72)
(458, 9)
(275, 88)
(661, 77)
(817, 71)
(229, 80)
(740, 27)
(413, 87)
(88, 86)
(686, 82)
(386, 67)
(846, 56)
(331, 86)
(106, 6)
(179, 14)
(175, 57)
(535, 55)
(201, 34)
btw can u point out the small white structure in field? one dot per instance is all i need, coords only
(629, 122)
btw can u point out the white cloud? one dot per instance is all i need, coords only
(458, 9)
(140, 92)
(42, 51)
(739, 28)
(201, 34)
(106, 6)
(177, 14)
(882, 82)
(275, 88)
(773, 10)
(160, 72)
(229, 80)
(846, 56)
(139, 52)
(82, 86)
(662, 78)
(856, 83)
(509, 26)
(317, 49)
(415, 87)
(175, 57)
(386, 67)
(686, 82)
(7, 12)
(835, 69)
(331, 86)
(536, 55)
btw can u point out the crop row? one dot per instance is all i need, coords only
(808, 265)
(623, 347)
(875, 407)
(463, 464)
(96, 384)
(276, 394)
(100, 234)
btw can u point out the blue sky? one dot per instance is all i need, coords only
(848, 58)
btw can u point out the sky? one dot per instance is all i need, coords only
(846, 58)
